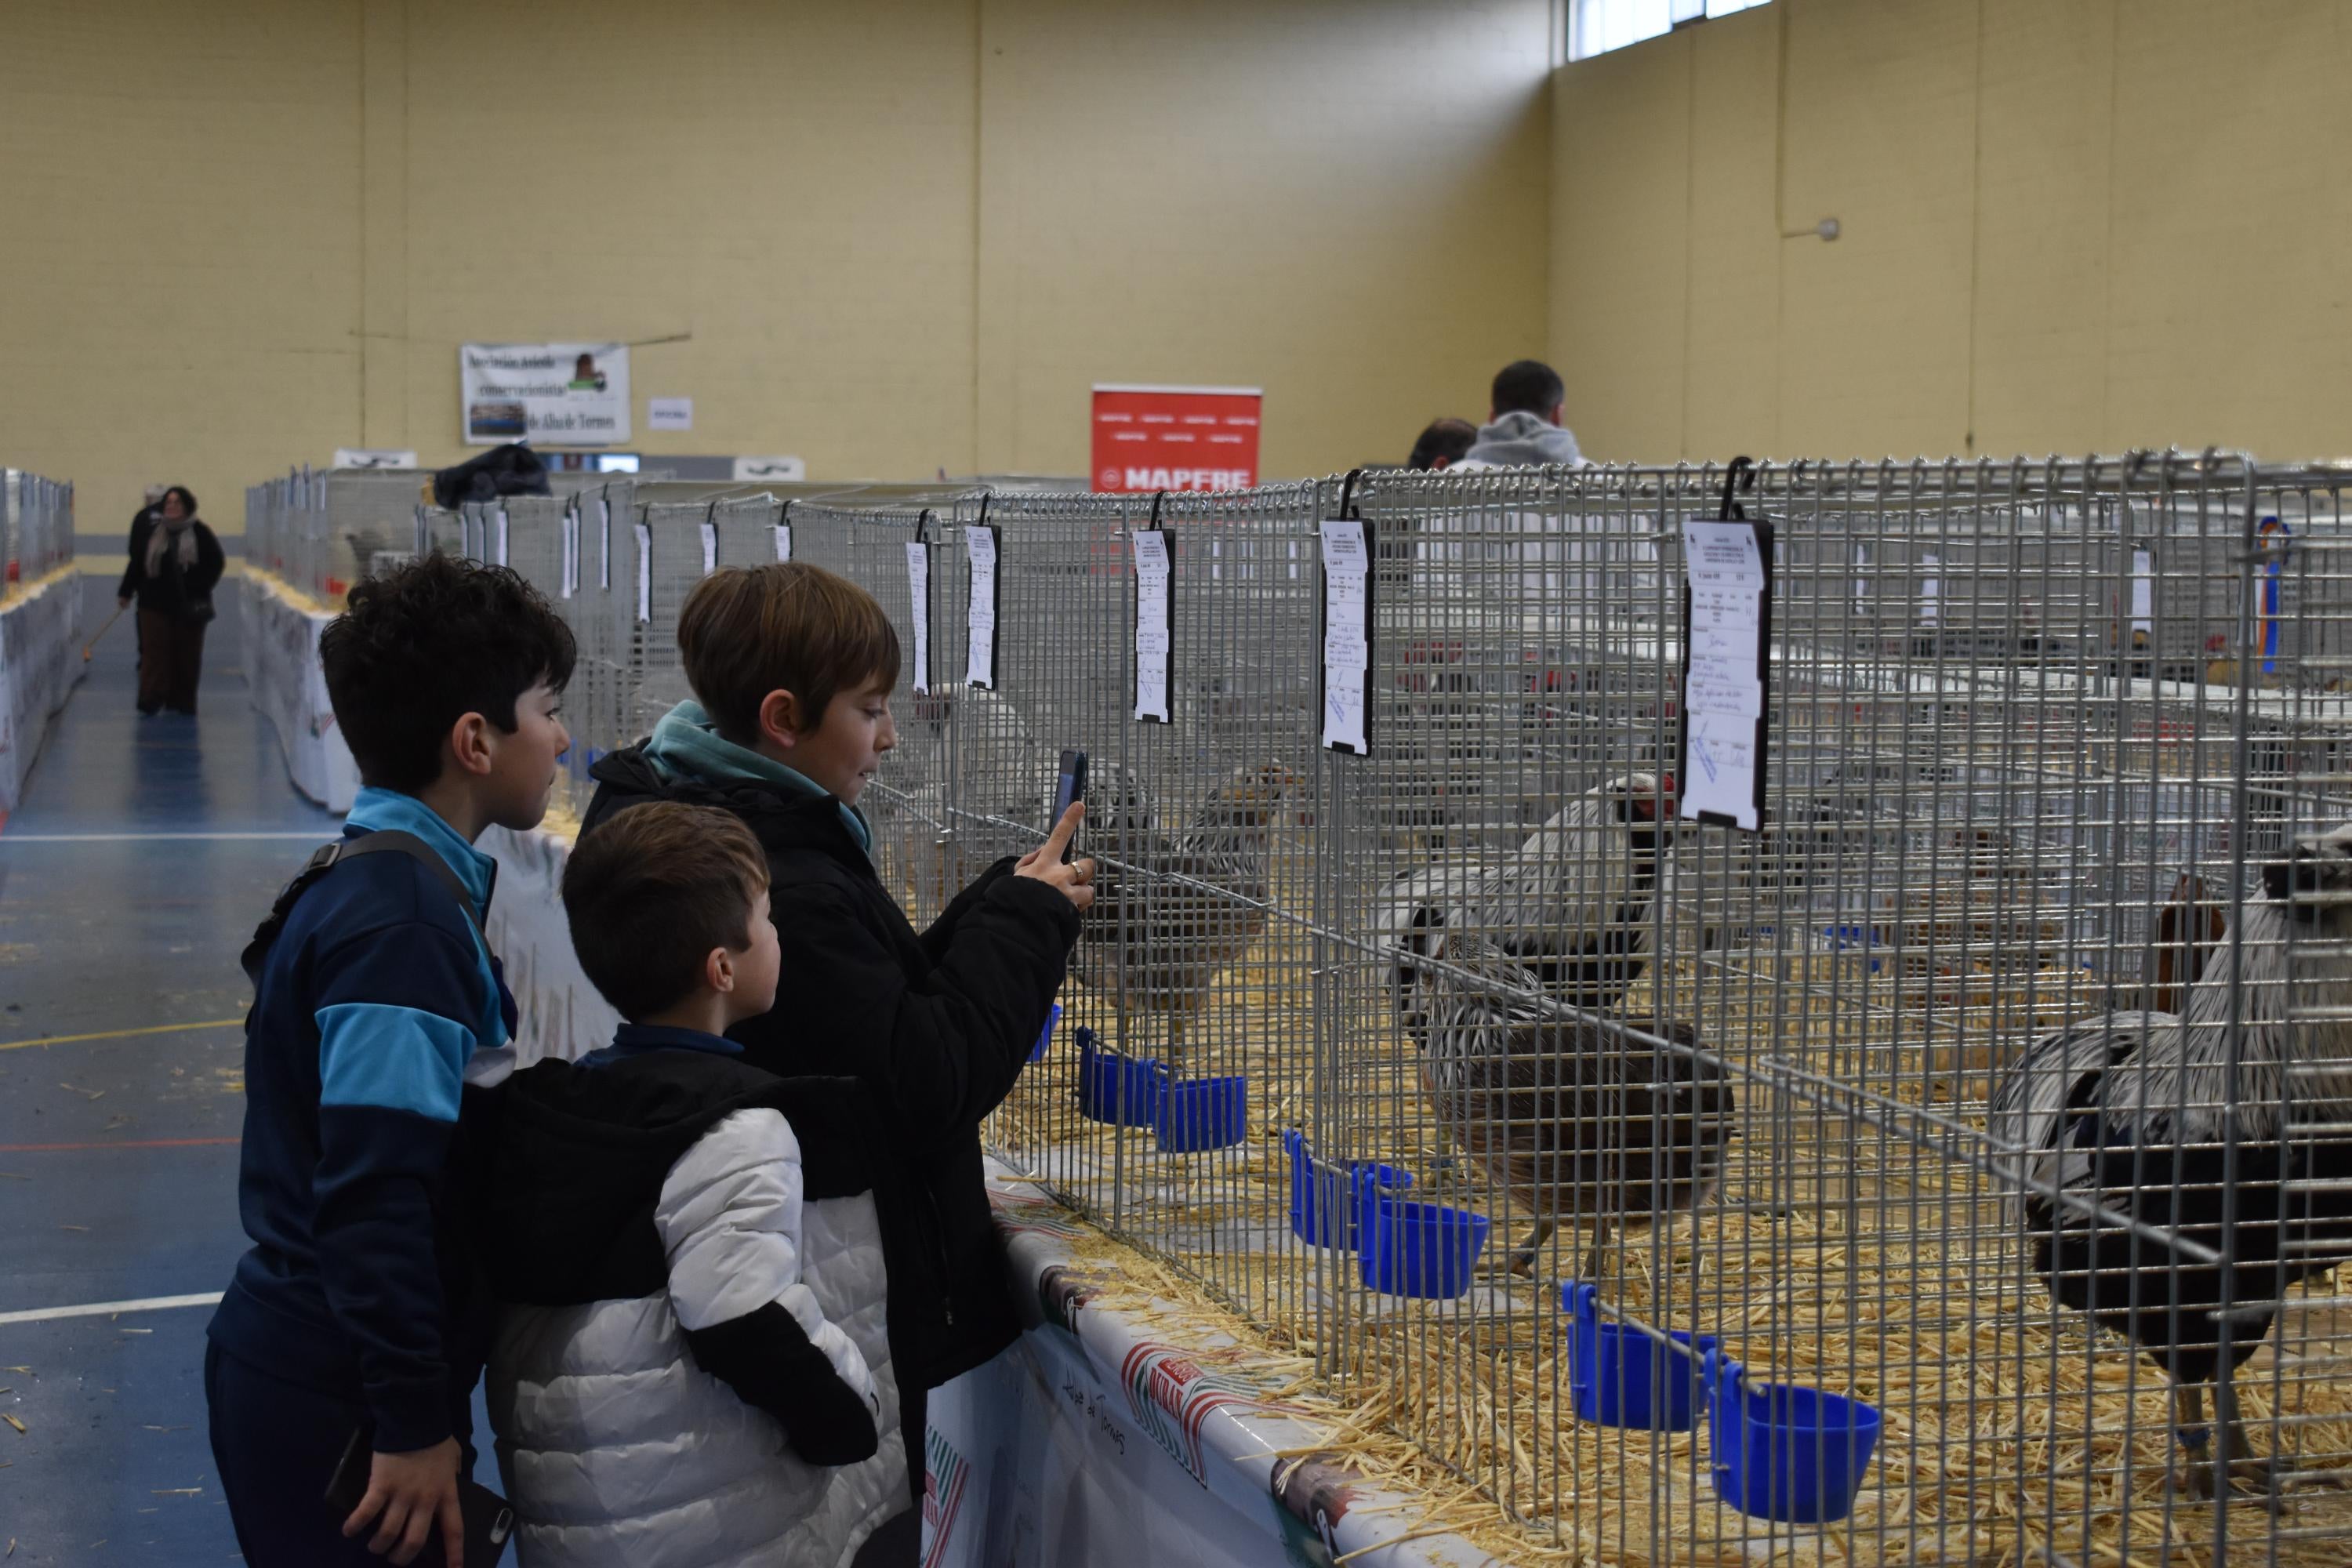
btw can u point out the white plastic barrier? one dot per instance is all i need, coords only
(40, 660)
(282, 670)
(561, 1014)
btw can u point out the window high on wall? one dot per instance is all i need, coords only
(1596, 26)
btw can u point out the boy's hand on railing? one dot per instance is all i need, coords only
(413, 1491)
(1076, 879)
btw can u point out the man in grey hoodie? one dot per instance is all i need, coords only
(1524, 426)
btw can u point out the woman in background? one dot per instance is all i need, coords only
(175, 562)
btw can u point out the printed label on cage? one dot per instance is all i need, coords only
(572, 549)
(784, 542)
(1154, 592)
(918, 596)
(709, 548)
(500, 542)
(603, 544)
(1725, 571)
(1930, 590)
(980, 542)
(1346, 634)
(645, 574)
(2143, 592)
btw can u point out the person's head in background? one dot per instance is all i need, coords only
(179, 504)
(1444, 443)
(1529, 386)
(154, 494)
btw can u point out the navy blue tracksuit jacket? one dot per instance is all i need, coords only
(378, 1013)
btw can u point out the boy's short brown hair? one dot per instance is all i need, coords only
(750, 630)
(652, 892)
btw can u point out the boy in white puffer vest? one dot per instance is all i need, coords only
(692, 1366)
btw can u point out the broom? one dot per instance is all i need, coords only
(91, 647)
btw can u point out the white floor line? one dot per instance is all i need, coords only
(319, 835)
(107, 1309)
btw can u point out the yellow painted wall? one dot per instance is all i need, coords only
(904, 234)
(2092, 224)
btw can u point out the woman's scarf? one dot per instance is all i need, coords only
(165, 535)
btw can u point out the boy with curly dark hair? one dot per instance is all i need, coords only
(378, 1013)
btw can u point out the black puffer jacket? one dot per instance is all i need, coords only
(940, 1022)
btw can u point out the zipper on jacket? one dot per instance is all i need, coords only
(939, 1246)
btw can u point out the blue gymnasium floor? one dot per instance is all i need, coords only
(143, 855)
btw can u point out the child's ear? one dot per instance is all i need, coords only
(718, 971)
(780, 718)
(470, 745)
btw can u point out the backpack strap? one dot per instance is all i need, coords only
(391, 841)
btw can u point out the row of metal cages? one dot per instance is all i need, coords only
(37, 525)
(1951, 1170)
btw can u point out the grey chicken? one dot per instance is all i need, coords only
(1172, 912)
(2123, 1125)
(1576, 1121)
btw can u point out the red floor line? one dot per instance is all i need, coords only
(122, 1144)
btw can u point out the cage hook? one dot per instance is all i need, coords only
(1347, 495)
(923, 526)
(1732, 512)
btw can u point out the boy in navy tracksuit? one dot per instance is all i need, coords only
(377, 1008)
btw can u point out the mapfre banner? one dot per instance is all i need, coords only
(560, 394)
(1175, 437)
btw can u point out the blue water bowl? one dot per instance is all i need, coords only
(1038, 1051)
(1325, 1204)
(1197, 1113)
(1416, 1249)
(1621, 1376)
(1113, 1088)
(1782, 1451)
(1854, 939)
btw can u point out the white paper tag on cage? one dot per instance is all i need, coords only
(980, 605)
(919, 598)
(2143, 592)
(784, 542)
(1346, 634)
(502, 536)
(1154, 587)
(645, 574)
(709, 548)
(1722, 689)
(571, 551)
(1861, 581)
(1930, 590)
(603, 544)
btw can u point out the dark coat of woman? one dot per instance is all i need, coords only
(175, 565)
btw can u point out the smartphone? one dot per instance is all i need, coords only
(489, 1520)
(1069, 788)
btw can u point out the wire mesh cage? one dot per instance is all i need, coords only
(1951, 1170)
(36, 526)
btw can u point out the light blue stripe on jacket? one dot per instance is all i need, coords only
(397, 1059)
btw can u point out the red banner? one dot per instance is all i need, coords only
(1175, 437)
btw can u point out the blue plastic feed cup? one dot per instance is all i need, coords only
(1784, 1451)
(1197, 1113)
(1113, 1088)
(1325, 1204)
(1621, 1376)
(1416, 1249)
(1046, 1038)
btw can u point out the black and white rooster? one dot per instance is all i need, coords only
(2125, 1125)
(1573, 905)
